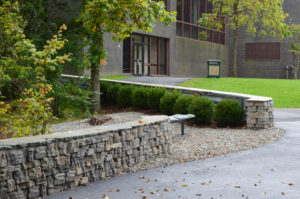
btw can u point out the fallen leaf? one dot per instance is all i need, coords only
(155, 180)
(290, 184)
(148, 179)
(166, 189)
(177, 180)
(117, 190)
(184, 185)
(144, 197)
(151, 192)
(237, 187)
(71, 197)
(230, 164)
(282, 193)
(142, 177)
(255, 185)
(198, 194)
(141, 122)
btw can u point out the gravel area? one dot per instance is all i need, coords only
(196, 144)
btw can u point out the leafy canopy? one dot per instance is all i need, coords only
(257, 16)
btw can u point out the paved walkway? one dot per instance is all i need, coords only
(170, 81)
(272, 171)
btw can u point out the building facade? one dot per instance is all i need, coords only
(265, 57)
(179, 50)
(176, 50)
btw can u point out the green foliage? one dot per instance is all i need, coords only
(167, 102)
(70, 99)
(139, 97)
(203, 109)
(112, 93)
(295, 47)
(182, 103)
(22, 62)
(155, 94)
(125, 95)
(32, 113)
(228, 113)
(258, 17)
(103, 88)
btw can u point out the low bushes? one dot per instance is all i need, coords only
(182, 103)
(203, 109)
(228, 113)
(155, 94)
(112, 92)
(124, 96)
(139, 97)
(167, 102)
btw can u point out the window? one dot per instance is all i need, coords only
(188, 14)
(262, 51)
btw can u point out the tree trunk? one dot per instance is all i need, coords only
(235, 48)
(95, 78)
(296, 65)
(95, 88)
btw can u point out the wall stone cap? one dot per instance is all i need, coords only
(204, 91)
(14, 143)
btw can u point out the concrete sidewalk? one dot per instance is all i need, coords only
(271, 171)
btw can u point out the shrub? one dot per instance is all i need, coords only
(203, 109)
(228, 113)
(103, 89)
(139, 97)
(124, 96)
(167, 102)
(182, 103)
(112, 93)
(154, 96)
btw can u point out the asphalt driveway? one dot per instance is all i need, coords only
(271, 171)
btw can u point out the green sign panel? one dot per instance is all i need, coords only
(213, 68)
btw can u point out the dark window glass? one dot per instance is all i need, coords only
(195, 32)
(215, 37)
(263, 51)
(179, 10)
(187, 12)
(186, 30)
(179, 29)
(162, 56)
(202, 7)
(126, 55)
(222, 38)
(195, 11)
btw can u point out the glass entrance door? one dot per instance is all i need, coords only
(138, 59)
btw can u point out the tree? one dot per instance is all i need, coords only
(259, 18)
(120, 18)
(295, 48)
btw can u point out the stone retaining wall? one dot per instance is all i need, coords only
(34, 167)
(259, 110)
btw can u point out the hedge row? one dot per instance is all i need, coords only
(225, 113)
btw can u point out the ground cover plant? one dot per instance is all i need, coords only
(285, 93)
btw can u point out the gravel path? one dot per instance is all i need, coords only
(196, 144)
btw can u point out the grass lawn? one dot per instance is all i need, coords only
(285, 93)
(116, 77)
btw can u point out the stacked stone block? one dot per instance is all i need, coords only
(259, 114)
(52, 165)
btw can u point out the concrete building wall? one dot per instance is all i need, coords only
(264, 68)
(192, 55)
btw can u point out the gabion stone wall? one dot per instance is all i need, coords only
(34, 167)
(260, 114)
